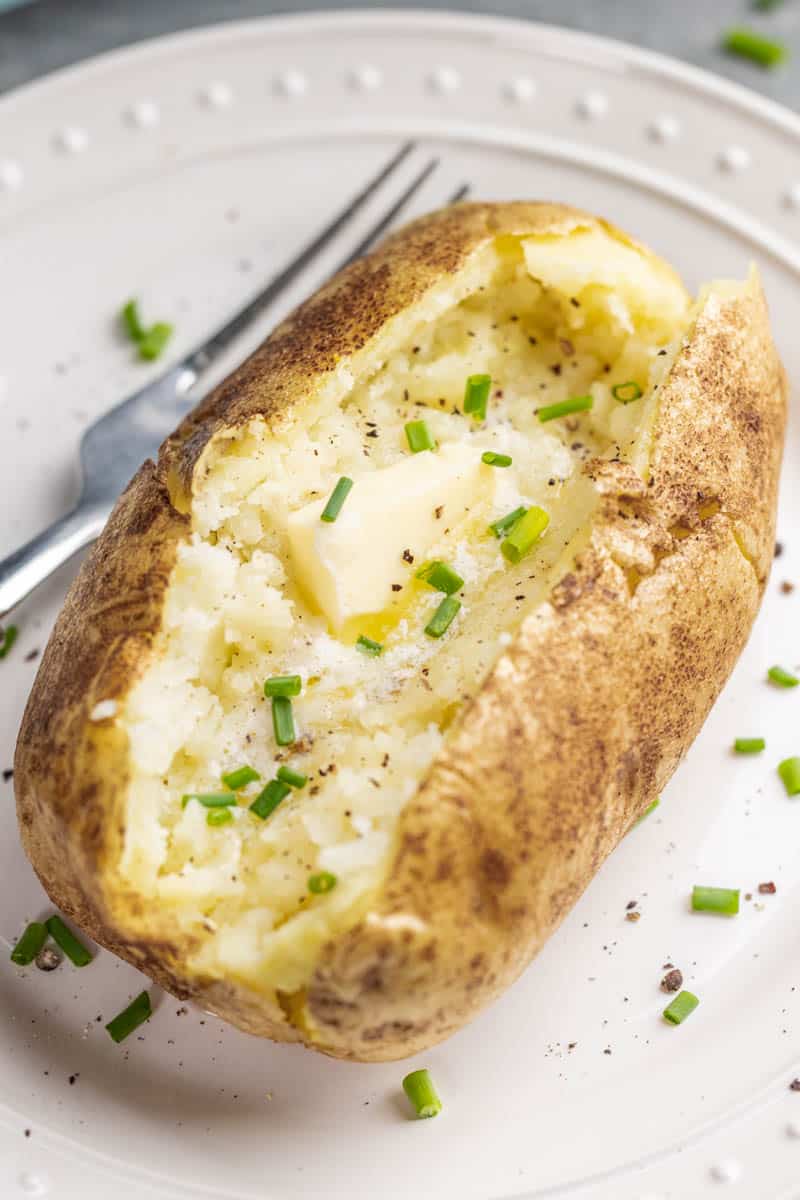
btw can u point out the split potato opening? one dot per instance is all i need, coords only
(393, 613)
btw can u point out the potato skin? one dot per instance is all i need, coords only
(606, 685)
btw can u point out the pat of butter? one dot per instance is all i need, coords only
(348, 567)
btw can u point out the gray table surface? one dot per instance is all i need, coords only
(47, 34)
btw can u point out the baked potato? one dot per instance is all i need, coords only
(467, 769)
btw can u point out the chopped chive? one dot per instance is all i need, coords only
(29, 944)
(440, 577)
(295, 779)
(137, 1012)
(749, 745)
(501, 526)
(240, 778)
(782, 678)
(209, 799)
(268, 800)
(443, 617)
(218, 816)
(75, 951)
(650, 808)
(132, 321)
(321, 883)
(283, 720)
(766, 5)
(419, 436)
(746, 43)
(283, 685)
(493, 459)
(526, 531)
(626, 393)
(565, 407)
(152, 344)
(680, 1008)
(367, 646)
(716, 900)
(476, 395)
(789, 771)
(337, 498)
(418, 1086)
(7, 638)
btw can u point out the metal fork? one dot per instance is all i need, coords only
(115, 446)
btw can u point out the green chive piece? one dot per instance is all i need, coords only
(219, 816)
(337, 498)
(476, 395)
(367, 646)
(766, 5)
(789, 771)
(268, 800)
(526, 531)
(283, 685)
(418, 1086)
(7, 638)
(715, 900)
(746, 43)
(442, 619)
(782, 678)
(29, 944)
(137, 1012)
(498, 528)
(680, 1008)
(749, 745)
(419, 436)
(132, 321)
(295, 779)
(626, 393)
(283, 721)
(152, 344)
(209, 799)
(75, 951)
(573, 405)
(321, 883)
(492, 459)
(650, 808)
(240, 778)
(440, 577)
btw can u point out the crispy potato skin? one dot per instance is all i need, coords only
(604, 688)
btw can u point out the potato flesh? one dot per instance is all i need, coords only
(369, 727)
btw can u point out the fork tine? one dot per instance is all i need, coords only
(386, 220)
(460, 194)
(204, 355)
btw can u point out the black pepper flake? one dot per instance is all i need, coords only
(631, 904)
(372, 433)
(787, 588)
(32, 655)
(385, 760)
(27, 1133)
(794, 1086)
(767, 889)
(415, 350)
(661, 352)
(556, 368)
(672, 981)
(397, 587)
(8, 773)
(72, 1078)
(437, 512)
(408, 556)
(519, 597)
(778, 549)
(533, 341)
(574, 302)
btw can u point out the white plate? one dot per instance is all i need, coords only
(182, 171)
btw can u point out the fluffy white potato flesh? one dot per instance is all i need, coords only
(260, 590)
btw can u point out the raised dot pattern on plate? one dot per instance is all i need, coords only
(593, 105)
(366, 78)
(291, 83)
(217, 94)
(727, 1171)
(664, 129)
(734, 159)
(445, 80)
(145, 114)
(521, 90)
(33, 1184)
(11, 175)
(72, 139)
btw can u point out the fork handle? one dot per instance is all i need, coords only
(34, 562)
